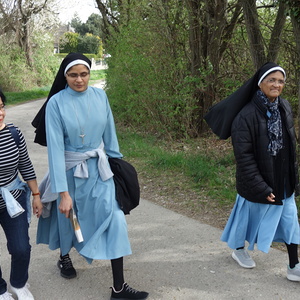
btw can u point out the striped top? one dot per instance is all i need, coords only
(13, 160)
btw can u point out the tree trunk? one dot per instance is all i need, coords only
(275, 40)
(195, 35)
(296, 27)
(110, 22)
(256, 42)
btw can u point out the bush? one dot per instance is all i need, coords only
(46, 63)
(17, 76)
(144, 83)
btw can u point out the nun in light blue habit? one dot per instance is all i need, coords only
(260, 123)
(77, 125)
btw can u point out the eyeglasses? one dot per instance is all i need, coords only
(2, 107)
(273, 80)
(75, 75)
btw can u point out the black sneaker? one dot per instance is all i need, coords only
(66, 267)
(127, 293)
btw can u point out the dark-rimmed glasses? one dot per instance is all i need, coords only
(81, 75)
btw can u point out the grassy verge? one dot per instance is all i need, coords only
(19, 97)
(192, 177)
(97, 75)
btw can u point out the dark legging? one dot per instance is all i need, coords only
(293, 254)
(118, 274)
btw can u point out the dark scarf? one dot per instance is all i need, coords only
(274, 124)
(59, 84)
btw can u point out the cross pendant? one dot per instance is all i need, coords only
(82, 136)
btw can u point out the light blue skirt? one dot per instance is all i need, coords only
(102, 222)
(261, 224)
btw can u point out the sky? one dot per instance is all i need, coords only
(84, 9)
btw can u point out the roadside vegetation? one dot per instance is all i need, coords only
(195, 177)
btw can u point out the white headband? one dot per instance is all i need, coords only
(76, 62)
(270, 71)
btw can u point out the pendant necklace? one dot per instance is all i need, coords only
(82, 134)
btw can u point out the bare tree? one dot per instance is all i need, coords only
(256, 40)
(18, 16)
(110, 12)
(213, 31)
(210, 31)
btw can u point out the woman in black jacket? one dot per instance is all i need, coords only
(264, 143)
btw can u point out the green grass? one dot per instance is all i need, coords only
(19, 97)
(215, 176)
(98, 75)
(208, 169)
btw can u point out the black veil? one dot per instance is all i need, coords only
(59, 84)
(220, 116)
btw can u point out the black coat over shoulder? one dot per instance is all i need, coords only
(126, 182)
(255, 167)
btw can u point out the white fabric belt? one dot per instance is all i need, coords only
(78, 160)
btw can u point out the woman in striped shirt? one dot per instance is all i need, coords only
(14, 209)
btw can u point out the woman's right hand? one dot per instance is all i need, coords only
(66, 203)
(271, 198)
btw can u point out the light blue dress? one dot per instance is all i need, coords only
(262, 224)
(68, 115)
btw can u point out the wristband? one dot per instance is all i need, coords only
(35, 194)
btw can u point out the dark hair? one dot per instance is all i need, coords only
(2, 96)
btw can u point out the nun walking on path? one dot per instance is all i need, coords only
(260, 123)
(80, 136)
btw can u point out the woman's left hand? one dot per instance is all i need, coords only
(271, 198)
(37, 206)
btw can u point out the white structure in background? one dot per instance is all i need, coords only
(98, 64)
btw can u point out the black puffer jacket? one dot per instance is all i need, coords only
(256, 173)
